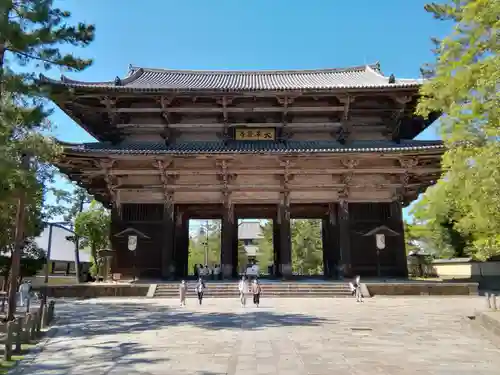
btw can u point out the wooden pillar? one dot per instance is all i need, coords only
(276, 248)
(167, 253)
(400, 248)
(285, 252)
(344, 237)
(327, 248)
(236, 265)
(185, 238)
(181, 245)
(227, 242)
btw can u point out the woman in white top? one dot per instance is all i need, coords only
(243, 289)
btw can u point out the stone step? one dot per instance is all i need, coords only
(229, 290)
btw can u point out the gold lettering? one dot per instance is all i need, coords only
(255, 134)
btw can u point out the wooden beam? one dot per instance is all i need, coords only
(209, 126)
(263, 187)
(221, 110)
(264, 172)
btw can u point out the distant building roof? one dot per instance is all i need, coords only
(252, 147)
(154, 80)
(61, 249)
(249, 230)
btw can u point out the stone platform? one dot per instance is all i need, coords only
(390, 336)
(304, 288)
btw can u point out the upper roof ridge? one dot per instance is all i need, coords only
(357, 68)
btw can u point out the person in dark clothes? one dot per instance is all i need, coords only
(256, 292)
(200, 288)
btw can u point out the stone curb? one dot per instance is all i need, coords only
(485, 326)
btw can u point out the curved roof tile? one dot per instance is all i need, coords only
(144, 79)
(252, 147)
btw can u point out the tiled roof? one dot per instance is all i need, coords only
(251, 147)
(249, 230)
(143, 79)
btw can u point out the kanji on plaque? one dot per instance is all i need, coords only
(255, 134)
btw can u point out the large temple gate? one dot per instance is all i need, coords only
(334, 144)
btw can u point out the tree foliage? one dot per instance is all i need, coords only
(307, 246)
(209, 236)
(265, 253)
(437, 220)
(93, 226)
(464, 86)
(31, 34)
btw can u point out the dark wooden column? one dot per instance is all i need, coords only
(285, 239)
(345, 237)
(396, 224)
(235, 249)
(276, 248)
(227, 241)
(181, 244)
(330, 246)
(327, 247)
(168, 245)
(116, 223)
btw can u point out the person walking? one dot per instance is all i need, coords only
(356, 286)
(200, 288)
(183, 293)
(243, 289)
(24, 292)
(256, 292)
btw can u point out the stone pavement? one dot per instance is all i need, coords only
(383, 335)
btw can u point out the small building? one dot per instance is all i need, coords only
(62, 250)
(250, 232)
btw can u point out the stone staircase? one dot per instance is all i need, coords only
(284, 289)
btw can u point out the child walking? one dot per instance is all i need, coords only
(256, 292)
(183, 292)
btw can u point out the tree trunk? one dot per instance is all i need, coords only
(77, 248)
(93, 252)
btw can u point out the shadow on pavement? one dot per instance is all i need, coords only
(106, 319)
(102, 359)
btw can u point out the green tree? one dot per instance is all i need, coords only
(31, 34)
(437, 217)
(307, 247)
(265, 253)
(207, 237)
(464, 86)
(242, 257)
(92, 226)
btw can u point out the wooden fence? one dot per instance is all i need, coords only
(24, 330)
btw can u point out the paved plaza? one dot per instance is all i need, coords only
(399, 335)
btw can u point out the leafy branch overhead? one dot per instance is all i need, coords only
(464, 86)
(34, 36)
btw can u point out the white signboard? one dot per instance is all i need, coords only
(380, 239)
(132, 243)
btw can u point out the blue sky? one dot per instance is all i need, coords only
(250, 34)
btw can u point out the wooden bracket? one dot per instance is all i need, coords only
(111, 184)
(287, 175)
(349, 163)
(408, 163)
(228, 205)
(345, 129)
(165, 178)
(343, 206)
(225, 101)
(110, 104)
(332, 217)
(284, 206)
